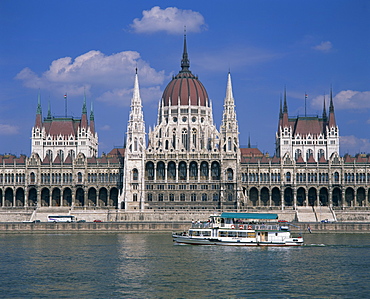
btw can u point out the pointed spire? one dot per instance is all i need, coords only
(331, 107)
(332, 122)
(49, 111)
(84, 113)
(324, 115)
(185, 63)
(39, 110)
(38, 121)
(229, 89)
(249, 141)
(136, 93)
(285, 109)
(91, 111)
(92, 122)
(285, 119)
(84, 110)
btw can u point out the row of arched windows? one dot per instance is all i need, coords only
(182, 171)
(65, 178)
(11, 178)
(60, 153)
(182, 197)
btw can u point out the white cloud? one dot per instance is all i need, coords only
(354, 145)
(345, 99)
(324, 46)
(171, 20)
(8, 129)
(105, 128)
(97, 73)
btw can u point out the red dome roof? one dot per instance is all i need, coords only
(182, 87)
(185, 86)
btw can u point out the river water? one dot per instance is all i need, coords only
(151, 266)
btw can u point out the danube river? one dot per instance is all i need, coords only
(150, 266)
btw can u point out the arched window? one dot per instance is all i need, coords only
(229, 174)
(194, 137)
(172, 197)
(61, 155)
(72, 153)
(32, 178)
(182, 197)
(336, 177)
(184, 138)
(134, 197)
(193, 171)
(320, 154)
(215, 171)
(171, 171)
(193, 197)
(309, 153)
(50, 154)
(174, 138)
(229, 144)
(135, 174)
(160, 171)
(150, 197)
(288, 176)
(215, 197)
(135, 144)
(297, 154)
(182, 171)
(204, 197)
(149, 171)
(204, 170)
(79, 177)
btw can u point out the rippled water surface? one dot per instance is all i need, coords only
(151, 266)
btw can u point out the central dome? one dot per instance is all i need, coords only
(185, 88)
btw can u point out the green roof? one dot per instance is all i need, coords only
(249, 215)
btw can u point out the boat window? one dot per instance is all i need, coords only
(232, 234)
(206, 234)
(251, 234)
(242, 234)
(222, 234)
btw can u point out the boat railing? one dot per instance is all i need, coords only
(203, 225)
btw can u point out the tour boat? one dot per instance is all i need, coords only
(239, 229)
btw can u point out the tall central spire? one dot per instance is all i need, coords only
(185, 63)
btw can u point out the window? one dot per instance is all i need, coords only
(193, 197)
(204, 197)
(182, 171)
(184, 138)
(160, 171)
(288, 176)
(79, 177)
(149, 171)
(229, 174)
(135, 174)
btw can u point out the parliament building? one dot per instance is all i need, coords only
(185, 162)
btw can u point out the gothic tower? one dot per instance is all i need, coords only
(133, 189)
(230, 153)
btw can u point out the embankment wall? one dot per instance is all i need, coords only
(162, 226)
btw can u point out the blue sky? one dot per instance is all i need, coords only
(58, 47)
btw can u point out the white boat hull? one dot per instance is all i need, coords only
(184, 239)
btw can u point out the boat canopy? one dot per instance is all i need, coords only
(249, 215)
